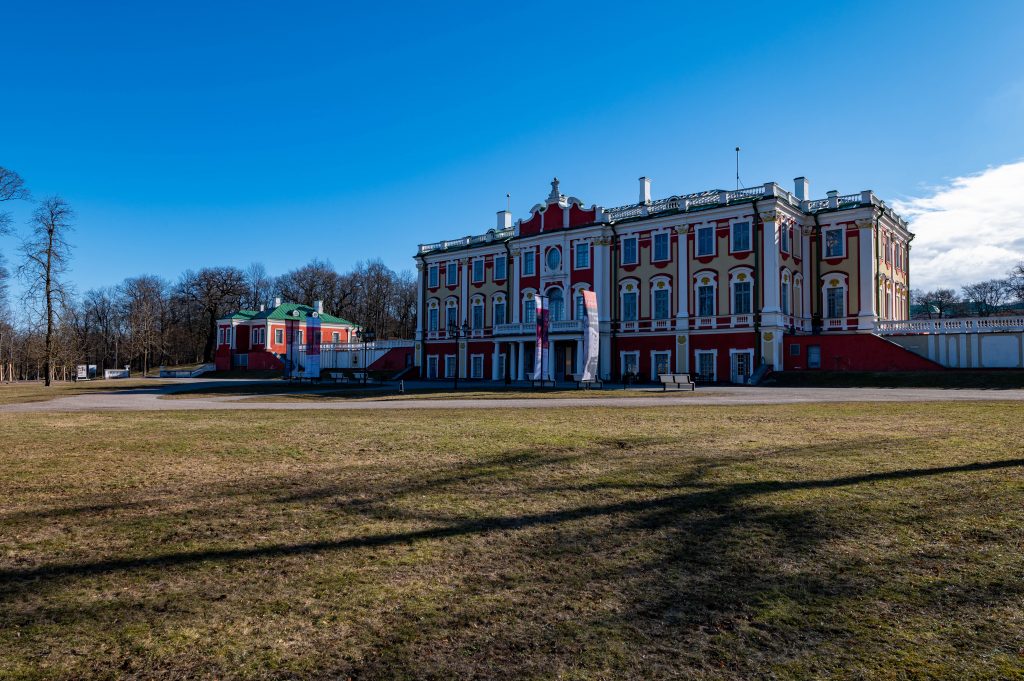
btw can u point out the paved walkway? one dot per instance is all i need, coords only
(149, 399)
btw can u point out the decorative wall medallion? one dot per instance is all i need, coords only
(705, 281)
(833, 282)
(629, 287)
(661, 284)
(741, 276)
(768, 336)
(681, 340)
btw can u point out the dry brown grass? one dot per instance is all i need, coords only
(35, 391)
(800, 541)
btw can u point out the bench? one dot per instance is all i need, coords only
(542, 382)
(592, 383)
(677, 381)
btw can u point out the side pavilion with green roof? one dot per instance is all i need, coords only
(260, 339)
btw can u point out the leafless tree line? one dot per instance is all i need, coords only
(983, 298)
(147, 321)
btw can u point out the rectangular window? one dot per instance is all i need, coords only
(741, 297)
(478, 270)
(478, 316)
(629, 256)
(706, 367)
(794, 349)
(499, 313)
(449, 366)
(834, 243)
(785, 297)
(335, 337)
(741, 237)
(629, 311)
(451, 273)
(530, 312)
(298, 337)
(433, 277)
(705, 241)
(476, 366)
(836, 302)
(582, 255)
(661, 364)
(784, 240)
(705, 301)
(432, 319)
(432, 366)
(813, 356)
(660, 247)
(529, 264)
(278, 336)
(661, 303)
(630, 363)
(451, 317)
(499, 268)
(581, 310)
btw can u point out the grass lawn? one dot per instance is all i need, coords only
(35, 391)
(792, 541)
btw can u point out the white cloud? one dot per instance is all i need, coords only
(968, 230)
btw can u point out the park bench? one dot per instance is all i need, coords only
(542, 382)
(592, 383)
(677, 381)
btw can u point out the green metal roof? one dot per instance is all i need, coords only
(287, 311)
(242, 314)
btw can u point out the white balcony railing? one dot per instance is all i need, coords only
(740, 320)
(963, 325)
(839, 323)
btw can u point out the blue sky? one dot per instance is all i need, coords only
(217, 133)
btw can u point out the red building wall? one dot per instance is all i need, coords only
(855, 352)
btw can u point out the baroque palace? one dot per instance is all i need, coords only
(719, 284)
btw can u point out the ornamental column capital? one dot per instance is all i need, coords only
(865, 224)
(682, 229)
(770, 216)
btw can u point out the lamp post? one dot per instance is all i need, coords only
(457, 332)
(366, 336)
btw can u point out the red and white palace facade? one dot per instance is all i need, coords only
(716, 284)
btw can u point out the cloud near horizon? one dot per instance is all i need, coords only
(971, 229)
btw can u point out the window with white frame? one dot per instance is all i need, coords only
(530, 311)
(259, 336)
(432, 318)
(630, 313)
(433, 278)
(499, 311)
(705, 241)
(661, 303)
(451, 274)
(580, 309)
(740, 237)
(835, 301)
(629, 251)
(279, 336)
(478, 314)
(478, 270)
(528, 264)
(556, 305)
(500, 263)
(706, 370)
(705, 300)
(451, 315)
(834, 245)
(298, 337)
(582, 255)
(222, 334)
(784, 239)
(741, 297)
(661, 364)
(449, 366)
(335, 337)
(476, 366)
(432, 366)
(784, 292)
(660, 252)
(631, 363)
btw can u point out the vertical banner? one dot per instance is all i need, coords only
(591, 337)
(540, 358)
(291, 355)
(313, 346)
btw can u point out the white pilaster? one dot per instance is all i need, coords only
(551, 360)
(578, 367)
(770, 275)
(496, 361)
(866, 267)
(514, 273)
(464, 303)
(520, 361)
(682, 287)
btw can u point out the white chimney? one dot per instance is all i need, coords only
(318, 305)
(802, 188)
(645, 190)
(277, 302)
(263, 307)
(504, 219)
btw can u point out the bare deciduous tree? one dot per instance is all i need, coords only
(259, 286)
(216, 291)
(143, 309)
(985, 297)
(943, 302)
(12, 188)
(47, 251)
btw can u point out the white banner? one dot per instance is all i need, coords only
(591, 337)
(540, 358)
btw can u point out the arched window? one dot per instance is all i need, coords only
(661, 298)
(556, 304)
(499, 311)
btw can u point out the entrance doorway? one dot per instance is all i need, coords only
(565, 360)
(742, 365)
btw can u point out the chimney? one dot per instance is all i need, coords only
(645, 190)
(263, 308)
(277, 302)
(504, 219)
(802, 188)
(318, 305)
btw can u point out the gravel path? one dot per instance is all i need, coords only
(149, 399)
